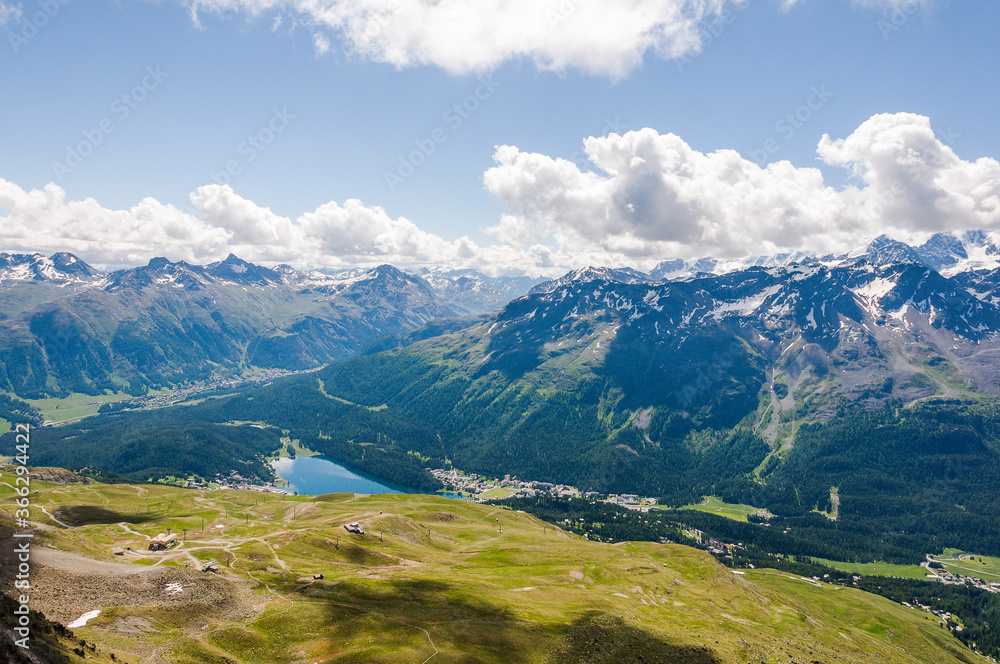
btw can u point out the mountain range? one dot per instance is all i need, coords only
(625, 378)
(67, 327)
(615, 363)
(947, 253)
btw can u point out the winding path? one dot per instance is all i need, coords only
(129, 530)
(54, 518)
(429, 640)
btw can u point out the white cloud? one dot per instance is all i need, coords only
(355, 231)
(648, 197)
(9, 12)
(321, 43)
(607, 37)
(913, 179)
(220, 222)
(43, 220)
(246, 223)
(653, 196)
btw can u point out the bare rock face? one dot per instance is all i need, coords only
(58, 476)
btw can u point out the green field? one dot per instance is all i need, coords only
(734, 511)
(434, 580)
(77, 405)
(498, 493)
(877, 569)
(289, 446)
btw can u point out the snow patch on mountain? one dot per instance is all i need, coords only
(747, 305)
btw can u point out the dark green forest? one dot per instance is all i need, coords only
(151, 447)
(17, 412)
(911, 480)
(930, 472)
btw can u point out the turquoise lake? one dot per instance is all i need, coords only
(312, 476)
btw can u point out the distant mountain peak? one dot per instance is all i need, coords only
(236, 270)
(618, 274)
(884, 250)
(947, 253)
(624, 275)
(475, 291)
(680, 268)
(386, 270)
(158, 263)
(61, 268)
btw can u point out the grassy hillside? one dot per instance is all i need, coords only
(434, 580)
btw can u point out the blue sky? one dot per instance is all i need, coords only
(334, 114)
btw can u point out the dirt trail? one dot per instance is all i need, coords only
(77, 564)
(55, 518)
(129, 530)
(281, 563)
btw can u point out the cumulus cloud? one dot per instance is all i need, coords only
(652, 195)
(610, 37)
(607, 37)
(43, 220)
(645, 197)
(219, 222)
(245, 222)
(913, 179)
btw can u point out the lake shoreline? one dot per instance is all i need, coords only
(318, 474)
